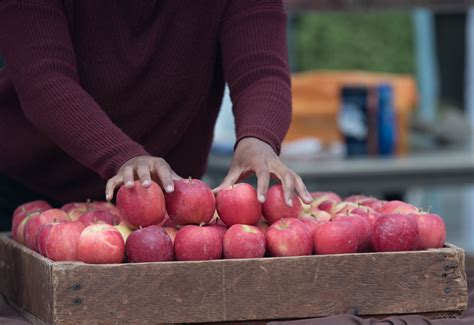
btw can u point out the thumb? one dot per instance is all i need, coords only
(231, 178)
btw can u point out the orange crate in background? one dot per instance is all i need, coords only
(316, 102)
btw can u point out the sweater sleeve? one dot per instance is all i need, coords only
(255, 62)
(39, 56)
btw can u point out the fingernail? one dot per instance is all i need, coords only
(129, 184)
(290, 202)
(169, 188)
(261, 198)
(108, 198)
(309, 197)
(146, 183)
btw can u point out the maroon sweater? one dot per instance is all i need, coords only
(89, 84)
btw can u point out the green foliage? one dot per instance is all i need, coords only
(368, 41)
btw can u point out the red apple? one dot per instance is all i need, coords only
(150, 244)
(373, 204)
(327, 205)
(275, 207)
(289, 237)
(395, 232)
(107, 206)
(125, 231)
(34, 224)
(101, 244)
(395, 207)
(310, 222)
(220, 228)
(20, 231)
(75, 210)
(92, 217)
(238, 204)
(191, 202)
(432, 230)
(29, 207)
(244, 241)
(194, 243)
(326, 196)
(61, 242)
(358, 198)
(362, 227)
(43, 237)
(335, 237)
(171, 231)
(140, 206)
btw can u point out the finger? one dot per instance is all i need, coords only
(288, 187)
(263, 179)
(301, 189)
(143, 172)
(175, 176)
(229, 180)
(165, 175)
(111, 185)
(127, 175)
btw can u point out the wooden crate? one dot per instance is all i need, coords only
(431, 282)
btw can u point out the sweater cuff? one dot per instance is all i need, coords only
(261, 134)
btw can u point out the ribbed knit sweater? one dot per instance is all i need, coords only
(89, 84)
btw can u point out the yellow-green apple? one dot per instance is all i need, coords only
(61, 242)
(335, 237)
(140, 206)
(194, 243)
(395, 232)
(344, 207)
(394, 207)
(289, 237)
(125, 231)
(238, 204)
(101, 244)
(275, 208)
(34, 224)
(149, 244)
(191, 202)
(244, 241)
(432, 230)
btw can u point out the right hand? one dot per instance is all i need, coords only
(145, 169)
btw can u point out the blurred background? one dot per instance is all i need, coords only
(383, 104)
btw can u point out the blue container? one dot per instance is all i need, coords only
(387, 128)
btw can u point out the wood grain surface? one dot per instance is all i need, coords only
(232, 290)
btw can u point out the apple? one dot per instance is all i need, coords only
(395, 207)
(75, 210)
(194, 243)
(358, 198)
(289, 237)
(106, 206)
(344, 207)
(244, 241)
(395, 232)
(263, 226)
(140, 206)
(220, 228)
(191, 202)
(373, 204)
(327, 205)
(275, 208)
(20, 229)
(34, 224)
(92, 217)
(62, 240)
(238, 204)
(171, 231)
(362, 226)
(326, 196)
(335, 237)
(125, 231)
(310, 221)
(150, 244)
(101, 244)
(432, 230)
(32, 206)
(42, 237)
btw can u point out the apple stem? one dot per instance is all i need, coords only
(202, 224)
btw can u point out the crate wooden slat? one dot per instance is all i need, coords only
(432, 281)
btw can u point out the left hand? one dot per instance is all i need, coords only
(254, 155)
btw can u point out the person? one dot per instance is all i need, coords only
(98, 94)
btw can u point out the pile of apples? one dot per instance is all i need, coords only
(191, 224)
